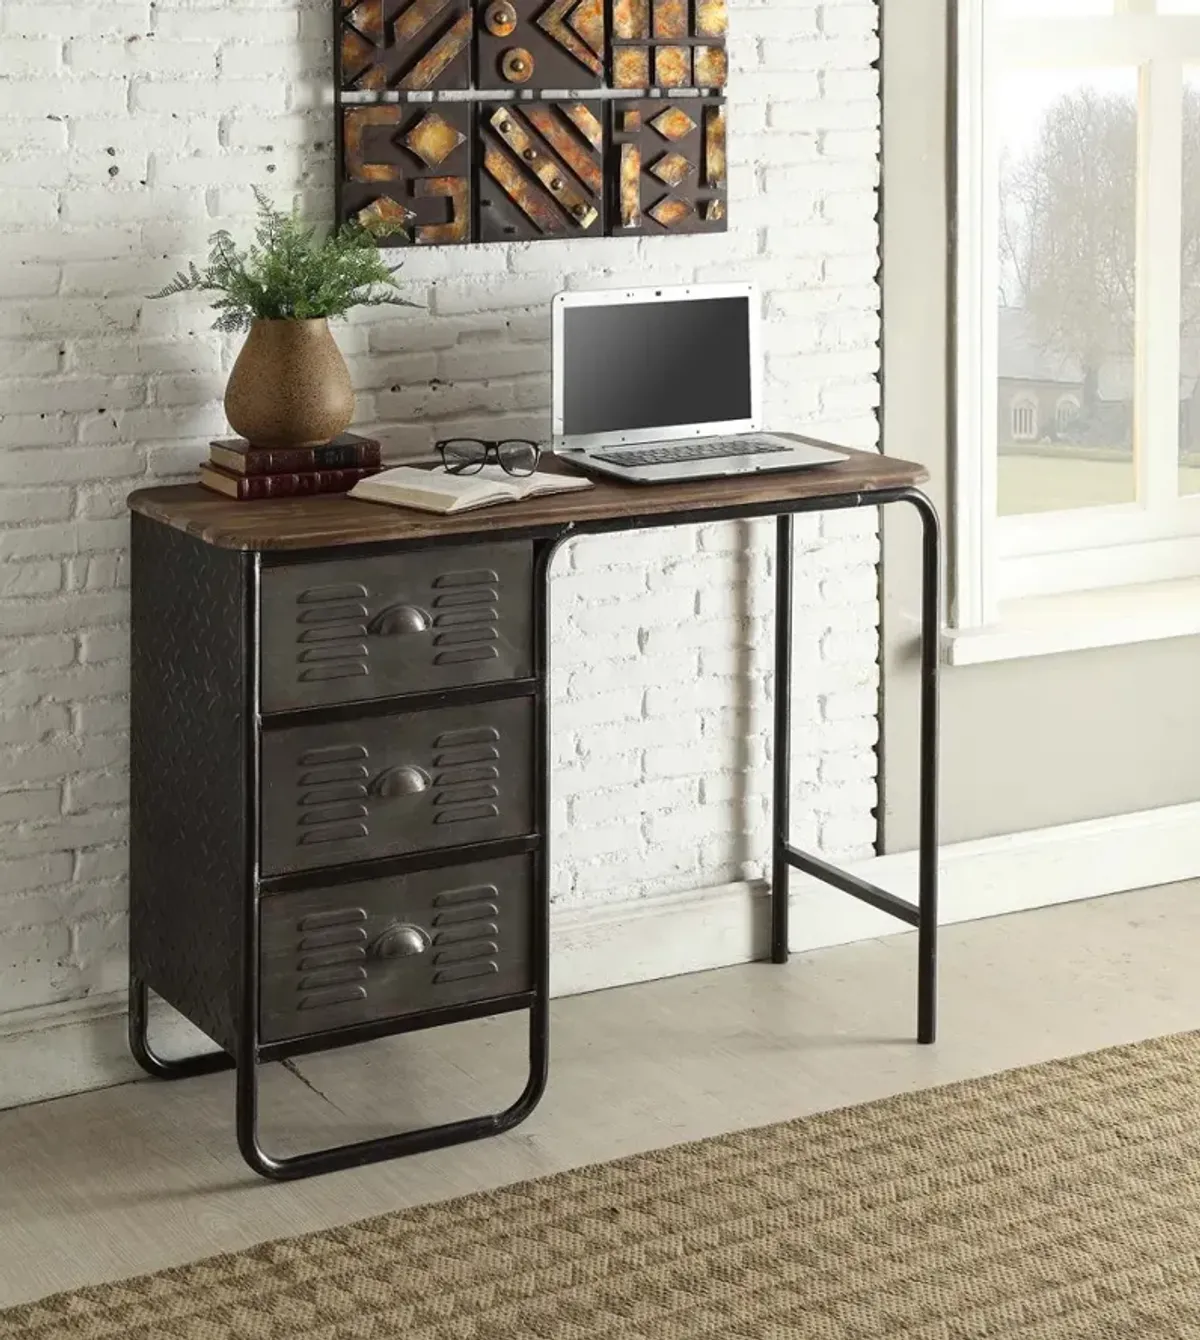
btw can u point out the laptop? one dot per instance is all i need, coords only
(660, 384)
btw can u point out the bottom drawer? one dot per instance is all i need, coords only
(358, 953)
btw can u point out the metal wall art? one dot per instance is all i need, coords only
(428, 166)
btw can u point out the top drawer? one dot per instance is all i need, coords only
(359, 628)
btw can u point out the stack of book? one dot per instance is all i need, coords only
(239, 470)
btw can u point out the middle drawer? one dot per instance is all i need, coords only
(386, 786)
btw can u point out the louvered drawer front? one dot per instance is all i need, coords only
(400, 623)
(387, 786)
(389, 947)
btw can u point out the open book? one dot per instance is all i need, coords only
(437, 491)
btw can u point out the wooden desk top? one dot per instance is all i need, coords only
(323, 522)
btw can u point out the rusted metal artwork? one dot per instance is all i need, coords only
(406, 171)
(362, 35)
(631, 186)
(668, 44)
(411, 22)
(500, 19)
(561, 43)
(670, 167)
(673, 124)
(631, 19)
(714, 211)
(532, 203)
(714, 146)
(671, 67)
(573, 24)
(416, 47)
(670, 211)
(358, 120)
(670, 18)
(433, 139)
(457, 192)
(384, 215)
(586, 122)
(428, 71)
(587, 19)
(631, 67)
(712, 18)
(422, 170)
(712, 67)
(542, 175)
(517, 65)
(578, 156)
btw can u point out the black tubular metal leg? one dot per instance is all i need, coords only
(384, 1147)
(449, 1133)
(924, 913)
(160, 1066)
(927, 897)
(782, 744)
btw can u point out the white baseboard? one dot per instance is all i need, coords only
(74, 1047)
(613, 945)
(1013, 873)
(80, 1045)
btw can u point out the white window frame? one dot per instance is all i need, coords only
(1005, 559)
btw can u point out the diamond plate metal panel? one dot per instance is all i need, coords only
(188, 733)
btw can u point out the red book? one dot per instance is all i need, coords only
(348, 452)
(251, 488)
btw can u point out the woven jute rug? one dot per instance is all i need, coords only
(1058, 1201)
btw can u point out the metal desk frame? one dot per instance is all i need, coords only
(785, 857)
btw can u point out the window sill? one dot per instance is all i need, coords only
(1081, 620)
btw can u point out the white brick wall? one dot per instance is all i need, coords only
(129, 131)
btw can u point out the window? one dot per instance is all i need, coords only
(1078, 298)
(1065, 414)
(1024, 420)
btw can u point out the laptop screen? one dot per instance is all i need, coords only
(661, 364)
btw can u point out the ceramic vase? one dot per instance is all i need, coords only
(290, 386)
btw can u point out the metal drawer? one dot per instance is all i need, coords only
(384, 948)
(387, 786)
(362, 628)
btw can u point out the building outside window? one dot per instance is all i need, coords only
(1078, 297)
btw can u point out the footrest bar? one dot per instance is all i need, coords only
(861, 889)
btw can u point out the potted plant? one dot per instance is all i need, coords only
(290, 386)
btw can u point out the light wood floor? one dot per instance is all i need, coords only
(113, 1183)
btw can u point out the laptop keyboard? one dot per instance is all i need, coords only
(689, 451)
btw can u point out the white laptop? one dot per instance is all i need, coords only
(657, 384)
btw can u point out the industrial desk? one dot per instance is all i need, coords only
(340, 775)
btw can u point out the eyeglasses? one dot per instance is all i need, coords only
(467, 455)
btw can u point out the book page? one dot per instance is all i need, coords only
(434, 490)
(497, 474)
(528, 486)
(553, 483)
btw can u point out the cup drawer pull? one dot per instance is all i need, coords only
(405, 780)
(400, 940)
(397, 620)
